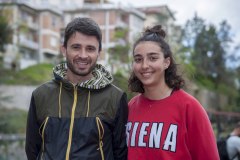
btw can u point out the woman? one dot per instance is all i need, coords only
(165, 122)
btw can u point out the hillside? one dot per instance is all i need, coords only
(33, 75)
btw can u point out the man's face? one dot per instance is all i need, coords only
(81, 53)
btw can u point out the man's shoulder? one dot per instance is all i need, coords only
(45, 87)
(114, 88)
(112, 91)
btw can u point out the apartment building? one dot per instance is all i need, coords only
(110, 17)
(35, 36)
(38, 27)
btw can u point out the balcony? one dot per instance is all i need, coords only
(23, 41)
(32, 25)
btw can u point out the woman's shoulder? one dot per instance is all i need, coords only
(185, 99)
(184, 95)
(134, 100)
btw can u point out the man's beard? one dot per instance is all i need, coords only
(71, 67)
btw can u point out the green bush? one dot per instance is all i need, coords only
(33, 75)
(122, 82)
(12, 120)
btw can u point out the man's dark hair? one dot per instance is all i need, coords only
(85, 26)
(173, 80)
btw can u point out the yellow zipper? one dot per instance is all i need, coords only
(42, 134)
(71, 123)
(101, 134)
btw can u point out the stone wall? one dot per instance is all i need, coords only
(16, 96)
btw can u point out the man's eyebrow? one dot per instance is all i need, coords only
(91, 46)
(75, 44)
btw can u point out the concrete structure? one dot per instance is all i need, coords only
(12, 96)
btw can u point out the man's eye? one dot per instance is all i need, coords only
(91, 49)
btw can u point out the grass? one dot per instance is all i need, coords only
(33, 75)
(12, 120)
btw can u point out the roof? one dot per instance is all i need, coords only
(163, 9)
(38, 7)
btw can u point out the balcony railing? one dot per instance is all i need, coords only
(23, 41)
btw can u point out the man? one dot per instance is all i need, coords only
(79, 115)
(233, 143)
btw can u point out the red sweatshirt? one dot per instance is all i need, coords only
(174, 128)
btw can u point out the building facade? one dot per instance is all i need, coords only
(35, 37)
(110, 18)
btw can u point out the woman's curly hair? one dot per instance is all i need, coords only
(173, 80)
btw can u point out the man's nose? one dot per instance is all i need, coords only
(82, 53)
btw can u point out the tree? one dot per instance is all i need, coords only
(188, 38)
(121, 81)
(5, 30)
(207, 52)
(206, 49)
(191, 29)
(208, 55)
(119, 53)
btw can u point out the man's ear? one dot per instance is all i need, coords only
(99, 55)
(63, 50)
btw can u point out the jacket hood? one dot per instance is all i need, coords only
(101, 77)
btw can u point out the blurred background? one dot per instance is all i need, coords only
(204, 37)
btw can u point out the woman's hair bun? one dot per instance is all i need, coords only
(157, 29)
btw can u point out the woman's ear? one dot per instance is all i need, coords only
(167, 62)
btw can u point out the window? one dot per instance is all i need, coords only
(53, 41)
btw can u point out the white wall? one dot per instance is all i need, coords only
(17, 96)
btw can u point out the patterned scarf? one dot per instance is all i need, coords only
(101, 77)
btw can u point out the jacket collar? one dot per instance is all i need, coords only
(101, 77)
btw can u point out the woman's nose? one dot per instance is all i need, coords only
(145, 63)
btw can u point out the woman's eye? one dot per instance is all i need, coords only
(153, 58)
(137, 60)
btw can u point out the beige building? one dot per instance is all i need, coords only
(35, 36)
(110, 18)
(38, 27)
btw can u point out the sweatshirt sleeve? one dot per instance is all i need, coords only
(33, 138)
(119, 132)
(201, 138)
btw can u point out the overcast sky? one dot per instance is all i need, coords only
(213, 11)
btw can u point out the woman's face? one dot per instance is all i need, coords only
(149, 64)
